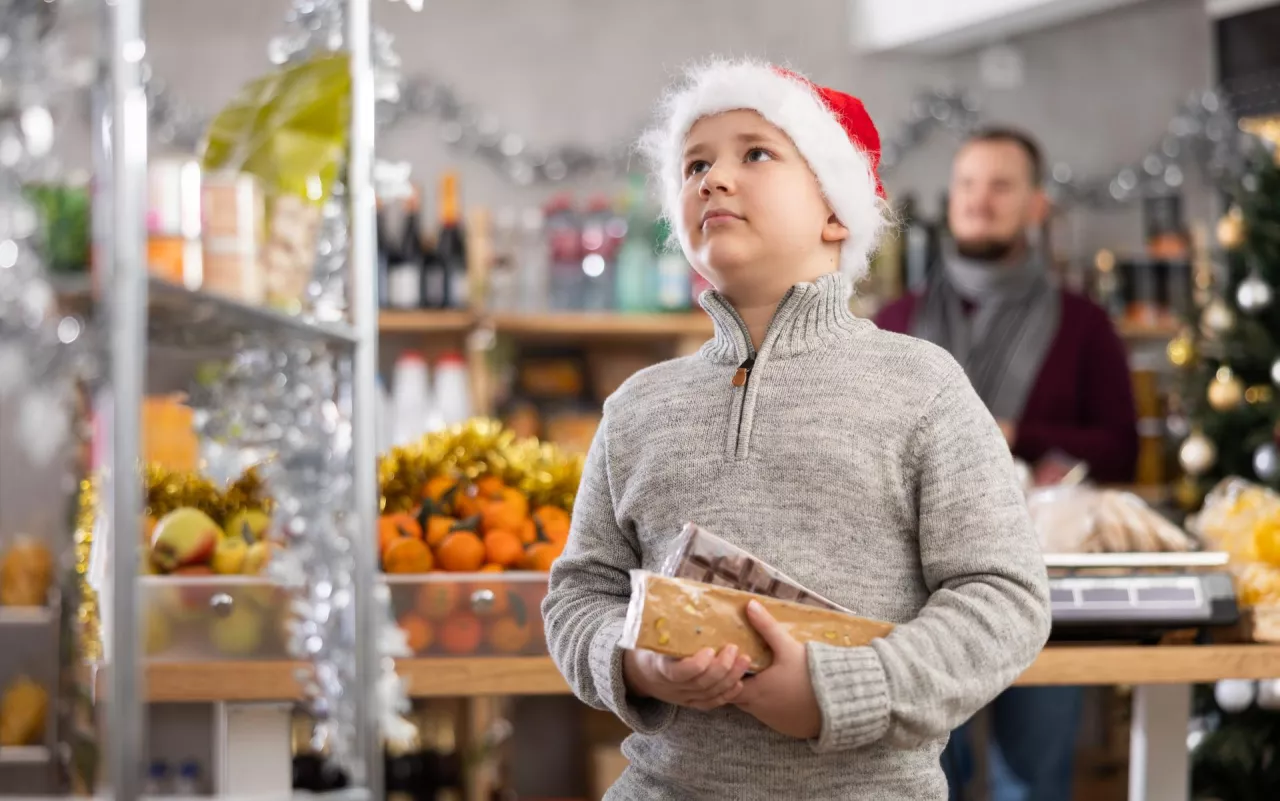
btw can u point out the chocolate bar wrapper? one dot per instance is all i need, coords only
(679, 617)
(699, 555)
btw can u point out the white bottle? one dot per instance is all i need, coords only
(187, 785)
(453, 396)
(411, 398)
(531, 263)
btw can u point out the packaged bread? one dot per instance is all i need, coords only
(699, 555)
(1084, 519)
(678, 618)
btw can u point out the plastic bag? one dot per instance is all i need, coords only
(699, 555)
(1084, 519)
(1243, 519)
(678, 618)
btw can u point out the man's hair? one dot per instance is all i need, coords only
(1020, 138)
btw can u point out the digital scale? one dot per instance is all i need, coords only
(1138, 595)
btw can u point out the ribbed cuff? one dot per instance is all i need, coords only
(853, 695)
(642, 715)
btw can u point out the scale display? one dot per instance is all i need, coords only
(1160, 601)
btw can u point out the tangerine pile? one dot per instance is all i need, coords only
(468, 527)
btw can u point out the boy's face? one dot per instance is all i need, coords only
(751, 212)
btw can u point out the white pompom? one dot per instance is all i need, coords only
(1234, 695)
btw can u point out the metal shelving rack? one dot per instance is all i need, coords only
(133, 306)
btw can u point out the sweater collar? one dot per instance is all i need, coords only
(807, 317)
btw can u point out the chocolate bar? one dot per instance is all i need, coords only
(679, 617)
(700, 555)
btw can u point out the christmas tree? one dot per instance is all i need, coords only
(1230, 360)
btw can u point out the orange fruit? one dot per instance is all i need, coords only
(506, 636)
(528, 531)
(506, 509)
(418, 632)
(438, 488)
(437, 599)
(461, 634)
(553, 523)
(491, 568)
(489, 485)
(396, 525)
(148, 528)
(540, 556)
(502, 548)
(438, 527)
(407, 555)
(466, 502)
(461, 552)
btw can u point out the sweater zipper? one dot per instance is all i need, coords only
(740, 379)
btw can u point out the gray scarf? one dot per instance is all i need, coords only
(1003, 342)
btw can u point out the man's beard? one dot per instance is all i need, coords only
(986, 249)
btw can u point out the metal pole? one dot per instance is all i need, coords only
(126, 284)
(364, 305)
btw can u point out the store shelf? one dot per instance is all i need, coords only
(579, 324)
(1146, 332)
(26, 616)
(25, 755)
(1091, 664)
(180, 317)
(425, 322)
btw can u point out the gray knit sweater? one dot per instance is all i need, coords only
(863, 465)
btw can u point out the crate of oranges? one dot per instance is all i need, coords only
(471, 521)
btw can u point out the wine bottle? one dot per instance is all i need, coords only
(451, 247)
(404, 271)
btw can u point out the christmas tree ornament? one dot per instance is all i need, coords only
(1225, 390)
(1197, 453)
(1187, 493)
(1254, 294)
(1266, 461)
(1235, 695)
(1217, 318)
(1181, 349)
(1275, 372)
(1230, 230)
(1258, 393)
(1269, 694)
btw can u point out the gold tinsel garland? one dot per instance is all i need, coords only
(163, 490)
(543, 472)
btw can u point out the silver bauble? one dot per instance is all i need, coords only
(1197, 454)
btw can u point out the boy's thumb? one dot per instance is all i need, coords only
(770, 630)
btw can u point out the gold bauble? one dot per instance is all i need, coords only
(1226, 390)
(1187, 493)
(1197, 453)
(1256, 394)
(1230, 230)
(1181, 349)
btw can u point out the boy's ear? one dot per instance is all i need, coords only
(834, 230)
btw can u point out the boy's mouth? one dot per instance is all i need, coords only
(718, 216)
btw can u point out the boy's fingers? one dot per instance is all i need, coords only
(774, 635)
(719, 669)
(684, 670)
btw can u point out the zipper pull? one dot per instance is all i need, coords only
(743, 371)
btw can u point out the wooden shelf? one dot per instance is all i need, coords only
(1090, 664)
(551, 324)
(425, 322)
(584, 324)
(1147, 332)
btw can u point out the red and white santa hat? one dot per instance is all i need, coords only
(832, 131)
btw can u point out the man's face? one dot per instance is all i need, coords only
(993, 199)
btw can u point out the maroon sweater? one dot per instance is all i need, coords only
(1082, 401)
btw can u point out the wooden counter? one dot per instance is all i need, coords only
(482, 676)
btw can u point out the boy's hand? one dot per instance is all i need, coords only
(781, 696)
(704, 681)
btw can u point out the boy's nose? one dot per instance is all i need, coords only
(716, 179)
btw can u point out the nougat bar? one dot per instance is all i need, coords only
(679, 617)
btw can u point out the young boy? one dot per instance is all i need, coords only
(859, 462)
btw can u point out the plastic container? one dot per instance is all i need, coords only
(471, 614)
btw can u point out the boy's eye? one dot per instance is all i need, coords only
(759, 154)
(695, 167)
